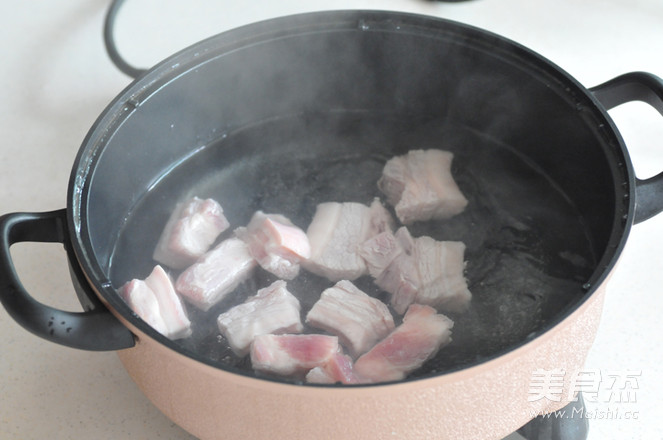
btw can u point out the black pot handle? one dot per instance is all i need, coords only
(645, 87)
(95, 329)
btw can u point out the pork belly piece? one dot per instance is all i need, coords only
(335, 234)
(420, 336)
(290, 355)
(440, 265)
(156, 302)
(170, 304)
(143, 302)
(390, 262)
(358, 319)
(216, 274)
(338, 369)
(421, 270)
(276, 244)
(272, 310)
(379, 251)
(420, 186)
(379, 219)
(190, 231)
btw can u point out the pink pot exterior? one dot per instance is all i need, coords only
(488, 401)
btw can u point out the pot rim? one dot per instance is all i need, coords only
(327, 21)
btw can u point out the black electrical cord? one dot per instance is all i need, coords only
(109, 42)
(111, 48)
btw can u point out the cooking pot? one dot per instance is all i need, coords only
(284, 114)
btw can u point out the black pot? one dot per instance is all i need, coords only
(287, 113)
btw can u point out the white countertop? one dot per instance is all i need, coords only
(57, 78)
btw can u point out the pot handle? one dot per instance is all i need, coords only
(645, 87)
(96, 329)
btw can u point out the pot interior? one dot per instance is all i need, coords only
(289, 113)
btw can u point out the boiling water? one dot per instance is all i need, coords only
(528, 252)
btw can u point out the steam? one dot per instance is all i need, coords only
(281, 121)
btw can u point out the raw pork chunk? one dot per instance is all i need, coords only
(290, 355)
(272, 310)
(379, 251)
(335, 234)
(421, 270)
(390, 262)
(191, 229)
(338, 369)
(276, 244)
(357, 319)
(441, 265)
(216, 274)
(420, 186)
(144, 303)
(157, 303)
(420, 336)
